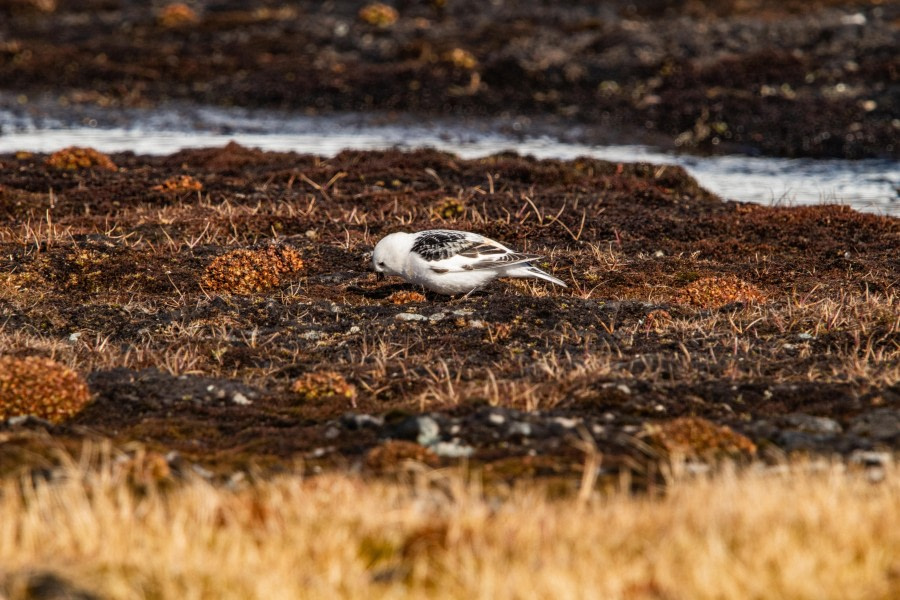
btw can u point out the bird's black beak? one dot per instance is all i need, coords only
(379, 276)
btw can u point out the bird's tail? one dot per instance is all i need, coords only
(528, 270)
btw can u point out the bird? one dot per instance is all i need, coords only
(452, 262)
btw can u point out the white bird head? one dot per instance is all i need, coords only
(390, 253)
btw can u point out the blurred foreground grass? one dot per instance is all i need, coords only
(102, 529)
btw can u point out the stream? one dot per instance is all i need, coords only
(866, 185)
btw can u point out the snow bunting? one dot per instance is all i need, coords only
(452, 262)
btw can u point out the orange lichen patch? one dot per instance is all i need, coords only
(391, 455)
(182, 183)
(378, 14)
(24, 155)
(712, 292)
(74, 157)
(324, 385)
(176, 15)
(449, 208)
(657, 320)
(249, 271)
(697, 437)
(41, 387)
(406, 297)
(462, 59)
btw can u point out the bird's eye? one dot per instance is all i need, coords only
(381, 264)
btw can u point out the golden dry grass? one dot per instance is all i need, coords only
(797, 532)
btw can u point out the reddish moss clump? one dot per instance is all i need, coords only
(73, 157)
(183, 183)
(40, 387)
(657, 320)
(695, 436)
(250, 271)
(325, 385)
(404, 297)
(176, 15)
(713, 292)
(460, 58)
(378, 14)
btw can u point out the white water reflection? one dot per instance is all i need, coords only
(868, 185)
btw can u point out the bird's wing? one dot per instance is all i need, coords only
(447, 250)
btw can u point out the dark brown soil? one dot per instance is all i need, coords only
(789, 78)
(776, 329)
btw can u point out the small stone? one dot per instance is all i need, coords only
(854, 19)
(429, 431)
(409, 317)
(239, 398)
(880, 424)
(354, 421)
(332, 433)
(496, 419)
(811, 424)
(566, 423)
(452, 449)
(520, 428)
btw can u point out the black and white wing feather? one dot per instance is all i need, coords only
(449, 251)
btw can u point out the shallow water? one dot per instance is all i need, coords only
(867, 185)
